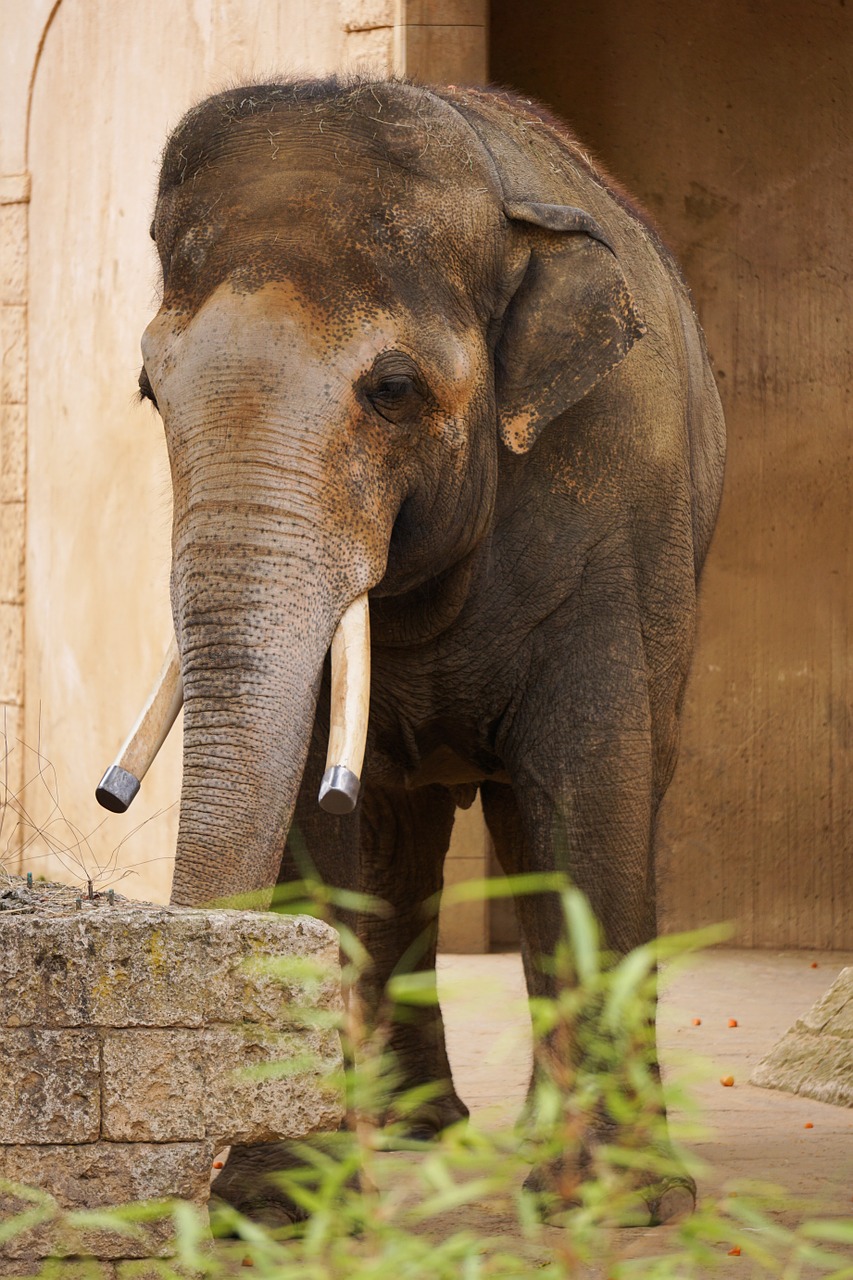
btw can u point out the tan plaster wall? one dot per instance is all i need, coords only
(111, 80)
(732, 121)
(18, 57)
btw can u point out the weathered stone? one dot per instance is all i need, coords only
(216, 1083)
(13, 253)
(151, 1269)
(365, 15)
(833, 1013)
(815, 1056)
(13, 452)
(246, 984)
(91, 1269)
(11, 729)
(49, 1086)
(103, 1175)
(58, 1269)
(13, 354)
(15, 188)
(11, 552)
(146, 1269)
(11, 656)
(138, 965)
(371, 51)
(169, 1034)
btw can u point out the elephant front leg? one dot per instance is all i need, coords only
(321, 847)
(404, 838)
(583, 802)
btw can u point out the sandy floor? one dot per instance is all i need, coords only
(752, 1133)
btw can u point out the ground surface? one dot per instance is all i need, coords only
(753, 1133)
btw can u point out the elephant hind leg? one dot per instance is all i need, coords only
(503, 819)
(656, 1199)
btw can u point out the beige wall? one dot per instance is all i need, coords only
(18, 58)
(732, 121)
(110, 80)
(88, 90)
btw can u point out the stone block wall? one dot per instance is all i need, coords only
(14, 201)
(139, 1041)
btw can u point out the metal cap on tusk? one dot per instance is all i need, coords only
(339, 790)
(116, 789)
(349, 706)
(121, 781)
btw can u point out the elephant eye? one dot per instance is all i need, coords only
(394, 395)
(145, 390)
(393, 391)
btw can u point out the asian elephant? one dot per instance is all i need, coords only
(415, 342)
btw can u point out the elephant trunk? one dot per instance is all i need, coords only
(248, 713)
(253, 636)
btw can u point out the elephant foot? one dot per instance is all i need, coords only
(654, 1202)
(674, 1201)
(427, 1120)
(250, 1183)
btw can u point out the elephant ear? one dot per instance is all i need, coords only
(569, 321)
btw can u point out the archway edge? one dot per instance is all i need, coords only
(23, 32)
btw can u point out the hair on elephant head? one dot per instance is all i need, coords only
(412, 344)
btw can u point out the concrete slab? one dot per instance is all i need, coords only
(815, 1055)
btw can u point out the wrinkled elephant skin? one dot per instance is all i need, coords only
(412, 343)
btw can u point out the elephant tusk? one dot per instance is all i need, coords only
(120, 783)
(349, 710)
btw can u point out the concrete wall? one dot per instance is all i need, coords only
(732, 121)
(88, 91)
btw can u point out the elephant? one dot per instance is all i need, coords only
(415, 344)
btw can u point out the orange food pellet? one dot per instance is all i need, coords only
(697, 1022)
(727, 1081)
(732, 1022)
(814, 964)
(808, 1125)
(735, 1252)
(248, 1262)
(219, 1164)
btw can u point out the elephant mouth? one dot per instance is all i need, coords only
(350, 703)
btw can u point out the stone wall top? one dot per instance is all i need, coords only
(130, 964)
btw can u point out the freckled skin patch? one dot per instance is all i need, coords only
(411, 341)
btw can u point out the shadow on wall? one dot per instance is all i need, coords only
(731, 123)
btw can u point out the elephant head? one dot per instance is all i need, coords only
(360, 322)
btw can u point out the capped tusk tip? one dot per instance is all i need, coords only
(117, 789)
(339, 790)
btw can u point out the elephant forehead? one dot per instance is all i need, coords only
(273, 336)
(359, 131)
(398, 242)
(284, 198)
